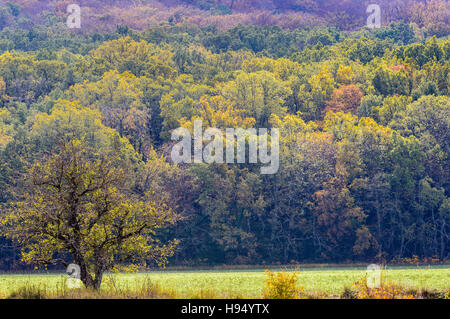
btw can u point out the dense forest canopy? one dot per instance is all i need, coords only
(101, 15)
(364, 117)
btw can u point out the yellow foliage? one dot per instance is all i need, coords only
(218, 112)
(344, 74)
(280, 285)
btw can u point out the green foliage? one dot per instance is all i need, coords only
(399, 32)
(363, 117)
(392, 80)
(80, 204)
(139, 58)
(391, 107)
(369, 105)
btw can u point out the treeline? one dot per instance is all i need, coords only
(364, 121)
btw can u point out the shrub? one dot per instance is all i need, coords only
(386, 291)
(280, 285)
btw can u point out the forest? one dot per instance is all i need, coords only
(363, 115)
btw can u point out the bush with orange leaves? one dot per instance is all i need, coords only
(387, 290)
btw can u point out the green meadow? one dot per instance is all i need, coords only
(232, 284)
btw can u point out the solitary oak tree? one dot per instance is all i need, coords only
(79, 207)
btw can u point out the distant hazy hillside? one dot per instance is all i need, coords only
(139, 14)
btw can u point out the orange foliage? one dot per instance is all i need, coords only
(346, 99)
(386, 291)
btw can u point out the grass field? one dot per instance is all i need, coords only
(234, 284)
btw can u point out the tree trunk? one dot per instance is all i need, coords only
(98, 281)
(86, 277)
(98, 278)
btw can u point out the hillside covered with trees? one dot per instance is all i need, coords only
(364, 120)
